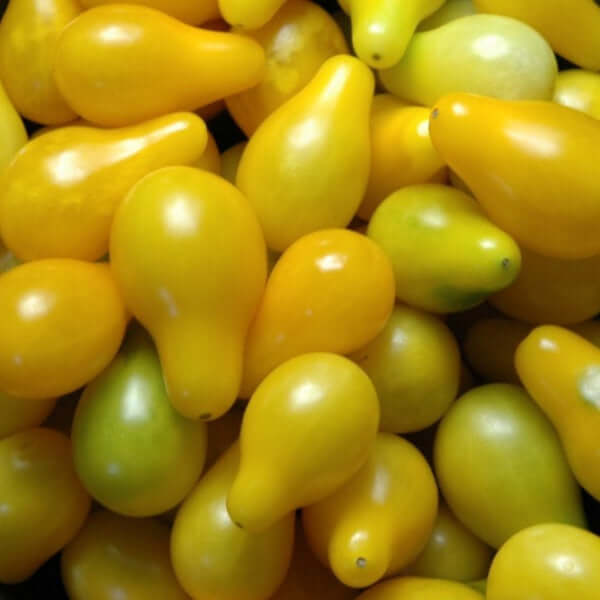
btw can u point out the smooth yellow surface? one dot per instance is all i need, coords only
(211, 158)
(216, 560)
(331, 291)
(551, 290)
(297, 41)
(490, 347)
(452, 552)
(230, 161)
(61, 192)
(382, 29)
(415, 366)
(481, 54)
(222, 433)
(307, 578)
(307, 166)
(116, 557)
(308, 428)
(28, 37)
(194, 12)
(561, 371)
(501, 467)
(120, 64)
(401, 151)
(134, 453)
(199, 293)
(571, 26)
(417, 588)
(249, 15)
(17, 414)
(63, 322)
(12, 132)
(449, 11)
(379, 520)
(43, 503)
(536, 175)
(447, 256)
(551, 561)
(579, 90)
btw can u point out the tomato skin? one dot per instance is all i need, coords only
(14, 137)
(501, 467)
(215, 559)
(133, 452)
(63, 322)
(116, 557)
(44, 504)
(420, 588)
(549, 561)
(579, 90)
(28, 36)
(536, 175)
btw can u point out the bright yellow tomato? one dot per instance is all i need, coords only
(415, 366)
(63, 321)
(561, 370)
(249, 15)
(297, 41)
(320, 137)
(43, 503)
(194, 12)
(201, 290)
(14, 135)
(61, 192)
(552, 561)
(17, 414)
(28, 38)
(331, 291)
(579, 90)
(115, 557)
(416, 588)
(571, 26)
(536, 176)
(121, 64)
(380, 519)
(401, 151)
(308, 429)
(449, 11)
(452, 552)
(213, 558)
(550, 290)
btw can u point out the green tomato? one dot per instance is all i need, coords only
(501, 467)
(133, 451)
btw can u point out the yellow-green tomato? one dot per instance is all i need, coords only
(549, 562)
(501, 467)
(579, 90)
(17, 414)
(42, 503)
(449, 11)
(415, 366)
(116, 558)
(133, 451)
(452, 552)
(447, 256)
(480, 54)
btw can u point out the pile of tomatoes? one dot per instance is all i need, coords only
(353, 355)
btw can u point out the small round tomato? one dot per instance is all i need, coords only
(62, 322)
(118, 558)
